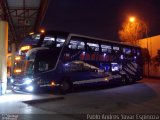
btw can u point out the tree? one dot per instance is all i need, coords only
(132, 31)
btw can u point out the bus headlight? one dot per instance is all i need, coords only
(27, 81)
(30, 88)
(11, 80)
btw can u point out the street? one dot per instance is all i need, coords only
(140, 98)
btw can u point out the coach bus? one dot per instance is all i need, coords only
(65, 60)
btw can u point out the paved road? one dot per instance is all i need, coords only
(140, 98)
(143, 97)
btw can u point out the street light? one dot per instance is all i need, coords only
(134, 26)
(132, 20)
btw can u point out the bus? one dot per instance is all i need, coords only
(65, 60)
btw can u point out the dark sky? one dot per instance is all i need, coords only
(100, 18)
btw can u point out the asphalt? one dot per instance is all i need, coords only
(14, 103)
(140, 98)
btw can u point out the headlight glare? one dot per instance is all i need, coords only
(27, 81)
(30, 88)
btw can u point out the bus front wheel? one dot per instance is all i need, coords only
(123, 80)
(65, 87)
(131, 80)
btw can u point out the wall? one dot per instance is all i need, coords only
(153, 45)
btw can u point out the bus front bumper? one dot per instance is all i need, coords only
(33, 88)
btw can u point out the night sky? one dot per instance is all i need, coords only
(100, 18)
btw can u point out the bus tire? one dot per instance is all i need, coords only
(65, 87)
(124, 80)
(131, 80)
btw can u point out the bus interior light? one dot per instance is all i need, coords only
(17, 58)
(121, 57)
(25, 48)
(67, 64)
(17, 71)
(106, 79)
(31, 33)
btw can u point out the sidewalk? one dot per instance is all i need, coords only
(16, 103)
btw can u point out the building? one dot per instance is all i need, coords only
(152, 66)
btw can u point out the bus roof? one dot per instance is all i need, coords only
(89, 37)
(104, 40)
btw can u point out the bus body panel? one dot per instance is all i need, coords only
(83, 60)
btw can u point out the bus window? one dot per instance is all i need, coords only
(127, 51)
(116, 54)
(60, 42)
(52, 41)
(116, 49)
(134, 51)
(138, 52)
(43, 66)
(106, 48)
(48, 41)
(115, 67)
(46, 63)
(76, 45)
(29, 67)
(105, 66)
(93, 47)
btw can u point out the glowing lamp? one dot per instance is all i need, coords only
(17, 71)
(31, 33)
(17, 58)
(42, 30)
(25, 48)
(30, 88)
(132, 19)
(52, 84)
(106, 79)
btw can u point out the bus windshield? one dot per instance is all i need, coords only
(29, 67)
(19, 67)
(22, 67)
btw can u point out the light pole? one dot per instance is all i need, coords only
(134, 27)
(132, 20)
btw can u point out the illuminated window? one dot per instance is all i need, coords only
(93, 46)
(115, 67)
(60, 42)
(48, 41)
(115, 48)
(127, 51)
(106, 48)
(75, 44)
(52, 41)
